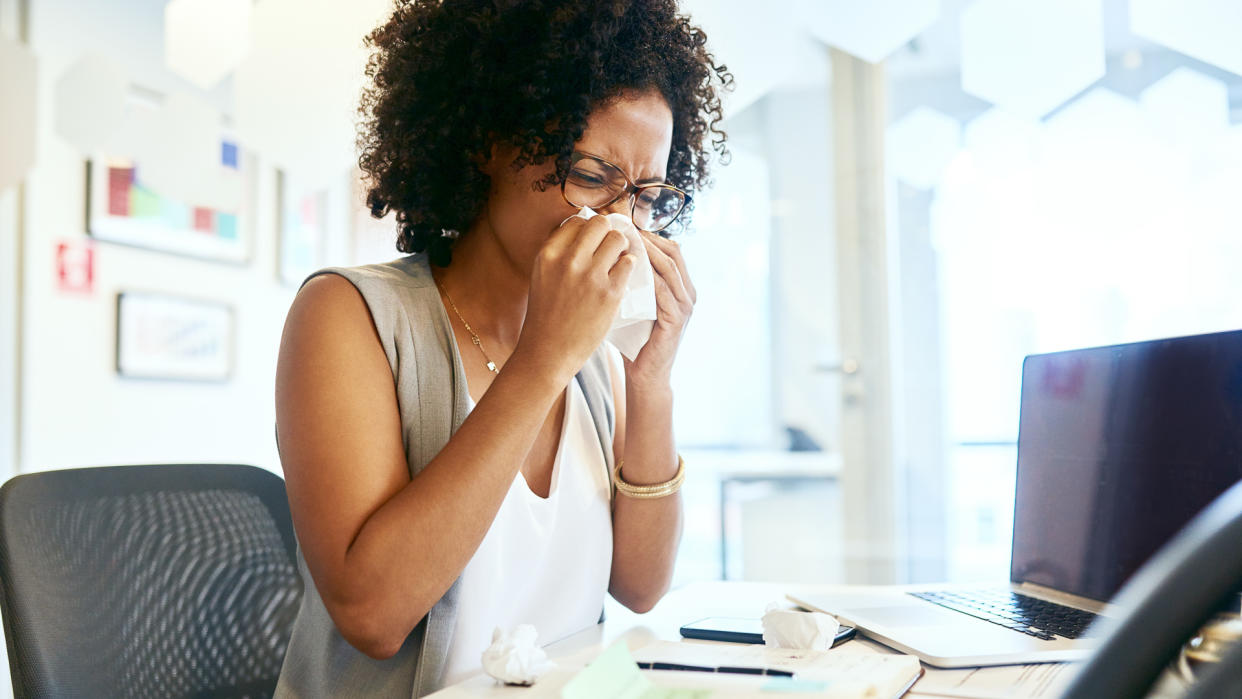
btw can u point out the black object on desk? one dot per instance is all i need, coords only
(1166, 602)
(739, 630)
(728, 670)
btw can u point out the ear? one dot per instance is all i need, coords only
(498, 155)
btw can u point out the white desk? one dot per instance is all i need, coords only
(686, 604)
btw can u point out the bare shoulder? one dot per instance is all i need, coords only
(337, 420)
(331, 368)
(328, 301)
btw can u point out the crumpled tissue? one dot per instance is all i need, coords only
(790, 628)
(514, 658)
(636, 317)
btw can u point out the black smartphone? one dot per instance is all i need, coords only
(737, 630)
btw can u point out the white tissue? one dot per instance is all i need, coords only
(636, 317)
(790, 628)
(514, 658)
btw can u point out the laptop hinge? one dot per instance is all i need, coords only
(1064, 598)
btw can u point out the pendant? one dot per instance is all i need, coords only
(492, 367)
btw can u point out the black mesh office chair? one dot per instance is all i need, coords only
(147, 581)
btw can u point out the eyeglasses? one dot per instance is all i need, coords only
(597, 183)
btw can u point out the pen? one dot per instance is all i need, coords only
(734, 670)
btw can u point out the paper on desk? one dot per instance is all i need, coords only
(515, 656)
(1037, 681)
(614, 675)
(847, 674)
(793, 628)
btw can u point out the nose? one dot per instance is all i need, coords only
(620, 206)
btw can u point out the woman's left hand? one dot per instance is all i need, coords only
(675, 297)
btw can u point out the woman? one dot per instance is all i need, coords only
(449, 422)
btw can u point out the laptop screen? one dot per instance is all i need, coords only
(1118, 448)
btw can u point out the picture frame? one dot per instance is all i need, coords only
(122, 207)
(302, 229)
(170, 337)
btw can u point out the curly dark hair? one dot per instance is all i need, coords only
(452, 78)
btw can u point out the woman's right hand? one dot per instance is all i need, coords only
(577, 283)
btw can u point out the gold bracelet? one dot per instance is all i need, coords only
(658, 490)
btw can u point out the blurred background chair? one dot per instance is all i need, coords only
(138, 581)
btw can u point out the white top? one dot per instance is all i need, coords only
(544, 562)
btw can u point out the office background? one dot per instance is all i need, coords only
(920, 194)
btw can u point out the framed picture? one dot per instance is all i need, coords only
(160, 336)
(123, 206)
(302, 229)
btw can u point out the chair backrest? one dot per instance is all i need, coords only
(1167, 601)
(163, 580)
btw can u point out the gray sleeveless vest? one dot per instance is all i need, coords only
(431, 395)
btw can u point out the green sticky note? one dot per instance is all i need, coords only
(614, 675)
(790, 684)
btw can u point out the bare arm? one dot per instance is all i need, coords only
(646, 532)
(381, 547)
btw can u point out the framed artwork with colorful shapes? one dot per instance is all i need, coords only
(123, 207)
(302, 229)
(165, 336)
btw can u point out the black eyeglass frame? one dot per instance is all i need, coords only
(630, 190)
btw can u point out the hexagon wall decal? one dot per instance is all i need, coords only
(182, 155)
(18, 69)
(1095, 132)
(733, 28)
(870, 29)
(204, 40)
(921, 145)
(1208, 30)
(90, 102)
(297, 91)
(1028, 57)
(997, 136)
(1187, 106)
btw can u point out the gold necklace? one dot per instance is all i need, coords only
(473, 337)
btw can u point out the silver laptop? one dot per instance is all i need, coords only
(1118, 448)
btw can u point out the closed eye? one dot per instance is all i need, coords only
(584, 179)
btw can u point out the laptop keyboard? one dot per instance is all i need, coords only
(1031, 616)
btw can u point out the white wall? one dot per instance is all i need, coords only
(8, 293)
(76, 410)
(8, 333)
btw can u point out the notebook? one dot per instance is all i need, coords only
(832, 673)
